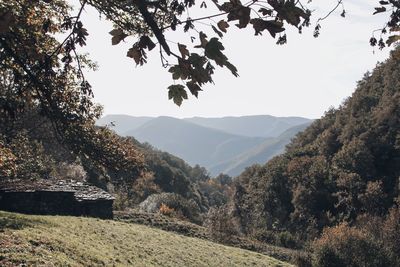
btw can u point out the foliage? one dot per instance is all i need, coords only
(25, 158)
(345, 165)
(41, 69)
(165, 210)
(220, 224)
(346, 246)
(217, 194)
(184, 208)
(44, 95)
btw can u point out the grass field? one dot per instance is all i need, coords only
(77, 241)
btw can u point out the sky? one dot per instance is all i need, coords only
(304, 78)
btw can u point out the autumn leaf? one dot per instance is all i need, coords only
(213, 51)
(117, 36)
(137, 54)
(177, 72)
(146, 42)
(177, 93)
(223, 25)
(194, 88)
(272, 26)
(203, 40)
(242, 14)
(217, 31)
(183, 50)
(232, 68)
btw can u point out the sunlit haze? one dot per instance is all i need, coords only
(302, 78)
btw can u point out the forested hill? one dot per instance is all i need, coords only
(343, 167)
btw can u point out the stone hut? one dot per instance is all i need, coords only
(61, 197)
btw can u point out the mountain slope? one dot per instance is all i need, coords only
(344, 167)
(194, 143)
(123, 123)
(226, 144)
(259, 154)
(75, 241)
(251, 126)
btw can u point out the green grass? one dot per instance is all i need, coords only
(77, 241)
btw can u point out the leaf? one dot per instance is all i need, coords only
(188, 25)
(203, 40)
(232, 68)
(223, 25)
(265, 12)
(177, 93)
(194, 88)
(242, 14)
(392, 39)
(217, 31)
(183, 50)
(177, 72)
(117, 36)
(379, 10)
(213, 51)
(146, 42)
(272, 26)
(137, 54)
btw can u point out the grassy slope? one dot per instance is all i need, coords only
(75, 241)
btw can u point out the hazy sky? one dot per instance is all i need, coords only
(302, 78)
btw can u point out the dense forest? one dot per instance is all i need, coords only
(340, 177)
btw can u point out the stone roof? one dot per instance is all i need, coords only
(82, 190)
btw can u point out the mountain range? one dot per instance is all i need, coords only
(222, 145)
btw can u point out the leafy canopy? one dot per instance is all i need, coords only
(27, 30)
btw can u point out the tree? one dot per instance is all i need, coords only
(41, 86)
(41, 75)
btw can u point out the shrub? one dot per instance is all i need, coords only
(165, 210)
(391, 235)
(188, 209)
(278, 238)
(220, 224)
(343, 245)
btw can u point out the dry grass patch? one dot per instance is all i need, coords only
(76, 241)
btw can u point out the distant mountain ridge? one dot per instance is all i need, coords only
(259, 154)
(251, 126)
(227, 144)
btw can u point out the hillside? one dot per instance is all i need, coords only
(344, 167)
(74, 241)
(259, 154)
(251, 126)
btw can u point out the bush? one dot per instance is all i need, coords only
(391, 235)
(220, 224)
(278, 238)
(183, 208)
(343, 245)
(165, 210)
